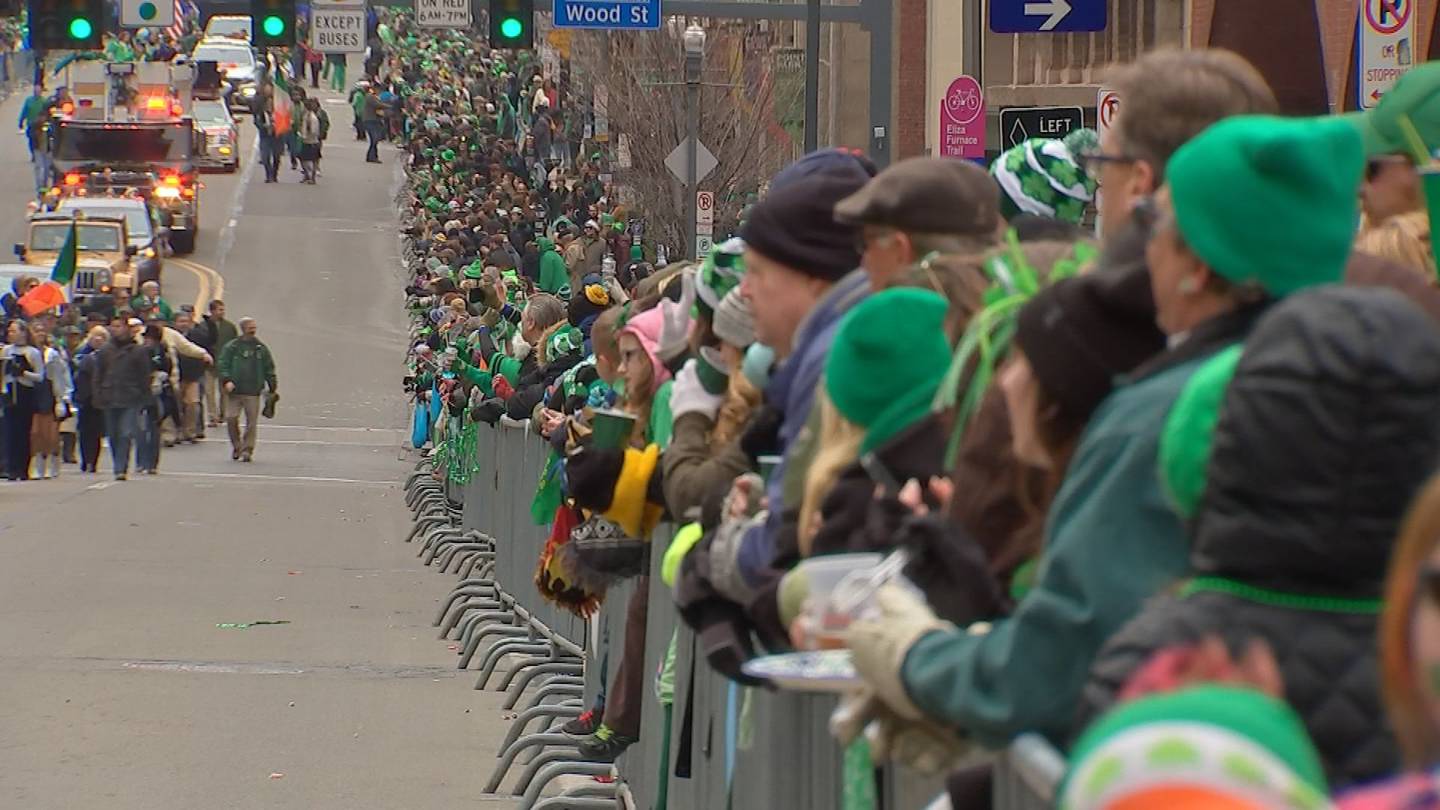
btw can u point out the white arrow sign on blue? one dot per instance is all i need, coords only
(1047, 16)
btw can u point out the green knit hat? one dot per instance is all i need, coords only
(886, 361)
(1041, 176)
(1189, 433)
(1205, 740)
(1270, 201)
(474, 270)
(720, 272)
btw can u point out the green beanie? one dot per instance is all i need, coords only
(474, 270)
(1189, 432)
(1270, 201)
(886, 361)
(1042, 177)
(719, 273)
(1206, 740)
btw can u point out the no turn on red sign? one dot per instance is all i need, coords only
(705, 212)
(1387, 47)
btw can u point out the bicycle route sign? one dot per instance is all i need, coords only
(962, 120)
(608, 14)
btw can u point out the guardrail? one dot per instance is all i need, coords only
(719, 745)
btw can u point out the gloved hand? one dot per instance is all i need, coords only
(688, 395)
(676, 321)
(920, 745)
(501, 387)
(1416, 95)
(880, 643)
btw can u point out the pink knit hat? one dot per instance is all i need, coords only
(645, 328)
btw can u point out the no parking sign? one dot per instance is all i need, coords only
(1386, 52)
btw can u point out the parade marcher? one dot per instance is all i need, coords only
(247, 370)
(309, 135)
(90, 421)
(214, 334)
(52, 404)
(192, 373)
(263, 113)
(23, 374)
(121, 388)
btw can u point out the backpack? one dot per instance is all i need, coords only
(324, 123)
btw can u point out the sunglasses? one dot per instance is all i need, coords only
(1094, 162)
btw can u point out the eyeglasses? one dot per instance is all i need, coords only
(1428, 583)
(1375, 165)
(1094, 162)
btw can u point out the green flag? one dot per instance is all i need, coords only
(64, 268)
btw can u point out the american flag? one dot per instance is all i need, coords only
(177, 30)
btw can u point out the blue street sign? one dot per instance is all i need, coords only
(607, 14)
(1047, 16)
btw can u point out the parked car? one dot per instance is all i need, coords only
(222, 135)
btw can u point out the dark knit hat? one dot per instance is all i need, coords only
(831, 160)
(1080, 333)
(927, 195)
(796, 226)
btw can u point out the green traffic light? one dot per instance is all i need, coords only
(511, 28)
(80, 28)
(273, 26)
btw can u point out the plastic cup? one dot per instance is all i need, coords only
(713, 379)
(611, 429)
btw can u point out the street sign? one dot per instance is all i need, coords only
(145, 13)
(1387, 47)
(1019, 124)
(1107, 104)
(336, 28)
(703, 243)
(705, 212)
(679, 160)
(1052, 16)
(443, 14)
(607, 14)
(962, 120)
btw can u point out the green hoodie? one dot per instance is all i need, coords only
(553, 274)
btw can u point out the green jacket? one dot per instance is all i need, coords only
(1111, 542)
(247, 363)
(553, 273)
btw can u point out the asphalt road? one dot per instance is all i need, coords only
(117, 688)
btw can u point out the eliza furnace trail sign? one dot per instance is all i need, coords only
(608, 14)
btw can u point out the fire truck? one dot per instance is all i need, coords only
(126, 131)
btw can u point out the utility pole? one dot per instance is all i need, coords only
(694, 42)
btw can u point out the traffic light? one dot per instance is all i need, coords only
(512, 23)
(272, 23)
(75, 25)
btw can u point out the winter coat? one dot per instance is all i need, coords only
(214, 335)
(122, 376)
(87, 361)
(694, 471)
(553, 273)
(247, 363)
(792, 392)
(1112, 541)
(1292, 537)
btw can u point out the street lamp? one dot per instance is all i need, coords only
(693, 41)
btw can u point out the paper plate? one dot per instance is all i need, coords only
(817, 671)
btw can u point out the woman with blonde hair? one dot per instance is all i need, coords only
(52, 403)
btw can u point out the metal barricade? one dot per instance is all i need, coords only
(742, 746)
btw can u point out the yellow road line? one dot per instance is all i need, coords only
(212, 284)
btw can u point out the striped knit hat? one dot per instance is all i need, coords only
(1042, 176)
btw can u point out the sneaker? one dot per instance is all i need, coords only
(608, 748)
(582, 726)
(246, 458)
(120, 476)
(234, 455)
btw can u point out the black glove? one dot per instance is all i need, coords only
(951, 568)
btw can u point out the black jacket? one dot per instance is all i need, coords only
(122, 379)
(1326, 432)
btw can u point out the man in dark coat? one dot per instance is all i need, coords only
(121, 389)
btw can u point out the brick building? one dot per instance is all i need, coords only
(1306, 49)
